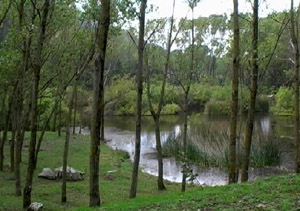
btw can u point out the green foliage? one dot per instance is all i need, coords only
(217, 107)
(284, 102)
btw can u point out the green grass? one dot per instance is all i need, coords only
(275, 193)
(113, 187)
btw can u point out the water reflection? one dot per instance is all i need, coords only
(120, 132)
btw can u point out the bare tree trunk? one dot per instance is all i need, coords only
(97, 103)
(253, 92)
(37, 65)
(233, 176)
(141, 47)
(295, 45)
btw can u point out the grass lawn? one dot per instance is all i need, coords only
(276, 193)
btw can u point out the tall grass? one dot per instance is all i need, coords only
(208, 147)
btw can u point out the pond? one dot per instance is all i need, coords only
(208, 137)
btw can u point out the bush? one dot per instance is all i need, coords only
(170, 109)
(284, 102)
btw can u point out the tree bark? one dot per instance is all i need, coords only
(233, 177)
(5, 131)
(253, 92)
(67, 141)
(74, 108)
(184, 146)
(141, 47)
(294, 34)
(59, 120)
(37, 65)
(97, 103)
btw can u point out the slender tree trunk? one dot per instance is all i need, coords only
(19, 103)
(186, 102)
(97, 103)
(160, 179)
(141, 47)
(4, 136)
(184, 175)
(13, 139)
(253, 92)
(34, 108)
(233, 177)
(295, 45)
(59, 119)
(67, 141)
(74, 108)
(39, 144)
(54, 119)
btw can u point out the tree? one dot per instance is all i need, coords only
(37, 65)
(235, 94)
(192, 4)
(295, 45)
(141, 47)
(253, 93)
(102, 37)
(156, 114)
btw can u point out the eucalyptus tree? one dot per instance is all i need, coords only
(253, 93)
(37, 64)
(141, 47)
(233, 176)
(102, 37)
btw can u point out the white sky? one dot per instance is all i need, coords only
(208, 7)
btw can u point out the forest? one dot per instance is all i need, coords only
(148, 108)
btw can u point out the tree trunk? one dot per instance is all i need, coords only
(74, 108)
(294, 34)
(39, 144)
(253, 92)
(4, 136)
(184, 175)
(37, 65)
(233, 177)
(160, 179)
(19, 103)
(97, 103)
(59, 119)
(67, 141)
(54, 120)
(141, 46)
(13, 139)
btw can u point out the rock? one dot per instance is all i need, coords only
(72, 174)
(35, 206)
(47, 173)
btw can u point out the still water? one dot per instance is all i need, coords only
(120, 131)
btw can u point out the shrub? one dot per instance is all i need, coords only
(284, 102)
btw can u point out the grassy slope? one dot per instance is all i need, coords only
(277, 193)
